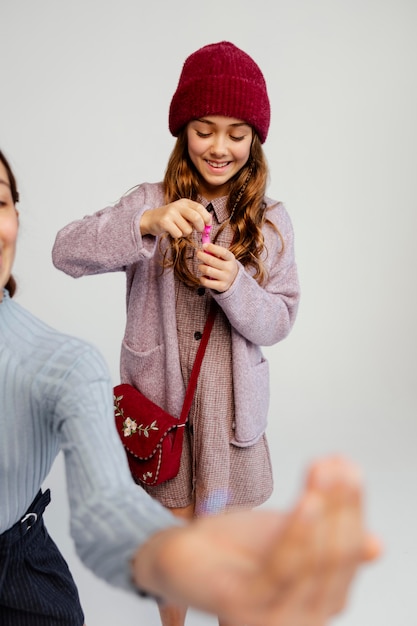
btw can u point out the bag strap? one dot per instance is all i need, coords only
(197, 364)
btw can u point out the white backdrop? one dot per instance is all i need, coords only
(85, 90)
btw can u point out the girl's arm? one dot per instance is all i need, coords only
(263, 314)
(108, 240)
(120, 235)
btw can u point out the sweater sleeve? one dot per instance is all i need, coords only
(110, 239)
(111, 516)
(264, 314)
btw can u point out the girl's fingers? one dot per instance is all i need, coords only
(217, 252)
(218, 264)
(179, 223)
(178, 219)
(221, 264)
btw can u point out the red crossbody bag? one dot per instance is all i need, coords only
(153, 438)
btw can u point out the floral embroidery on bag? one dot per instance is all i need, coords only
(130, 427)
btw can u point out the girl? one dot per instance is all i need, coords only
(55, 393)
(216, 176)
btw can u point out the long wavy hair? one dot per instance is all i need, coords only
(246, 206)
(11, 283)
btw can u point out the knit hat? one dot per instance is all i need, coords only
(221, 79)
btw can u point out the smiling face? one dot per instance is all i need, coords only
(8, 229)
(218, 147)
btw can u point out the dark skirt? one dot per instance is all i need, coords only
(36, 586)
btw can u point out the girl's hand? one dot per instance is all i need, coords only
(178, 219)
(218, 267)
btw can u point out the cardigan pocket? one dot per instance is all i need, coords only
(251, 405)
(145, 371)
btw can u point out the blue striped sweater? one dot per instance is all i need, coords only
(56, 394)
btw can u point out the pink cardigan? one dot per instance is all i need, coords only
(110, 240)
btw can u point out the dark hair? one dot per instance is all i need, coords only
(11, 283)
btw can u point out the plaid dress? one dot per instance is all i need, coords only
(215, 475)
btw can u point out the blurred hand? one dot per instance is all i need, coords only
(262, 568)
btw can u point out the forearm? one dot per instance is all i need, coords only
(263, 315)
(109, 240)
(104, 242)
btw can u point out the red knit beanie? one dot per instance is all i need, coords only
(221, 79)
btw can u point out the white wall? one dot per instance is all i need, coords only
(85, 90)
